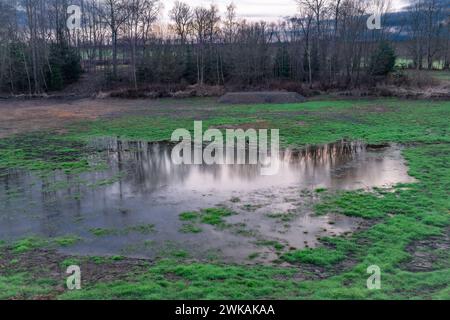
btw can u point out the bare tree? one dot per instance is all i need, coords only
(182, 16)
(114, 13)
(140, 15)
(230, 23)
(326, 44)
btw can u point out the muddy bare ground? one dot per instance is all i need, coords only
(18, 116)
(32, 262)
(261, 97)
(429, 254)
(51, 265)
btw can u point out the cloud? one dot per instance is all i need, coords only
(257, 9)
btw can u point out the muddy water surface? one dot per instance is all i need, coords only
(143, 187)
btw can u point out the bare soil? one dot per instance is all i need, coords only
(22, 115)
(261, 97)
(429, 254)
(48, 264)
(18, 116)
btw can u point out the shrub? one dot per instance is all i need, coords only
(383, 60)
(64, 66)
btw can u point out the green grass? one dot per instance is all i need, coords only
(214, 216)
(189, 216)
(105, 259)
(28, 244)
(43, 151)
(319, 256)
(67, 241)
(211, 216)
(70, 262)
(397, 217)
(437, 64)
(190, 228)
(102, 232)
(22, 285)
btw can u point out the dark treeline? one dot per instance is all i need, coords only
(326, 42)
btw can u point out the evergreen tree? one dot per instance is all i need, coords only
(282, 64)
(65, 66)
(383, 60)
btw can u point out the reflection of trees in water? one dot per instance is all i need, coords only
(321, 159)
(149, 166)
(58, 197)
(38, 197)
(12, 182)
(328, 154)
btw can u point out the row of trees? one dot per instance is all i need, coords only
(34, 52)
(326, 42)
(429, 30)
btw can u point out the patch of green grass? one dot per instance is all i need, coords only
(318, 256)
(32, 243)
(211, 216)
(23, 286)
(356, 204)
(103, 232)
(105, 259)
(214, 216)
(180, 254)
(66, 241)
(28, 244)
(190, 228)
(189, 216)
(172, 280)
(43, 151)
(98, 260)
(70, 262)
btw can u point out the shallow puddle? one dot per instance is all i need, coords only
(142, 186)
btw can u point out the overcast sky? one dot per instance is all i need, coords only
(257, 9)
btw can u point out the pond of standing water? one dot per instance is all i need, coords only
(142, 186)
